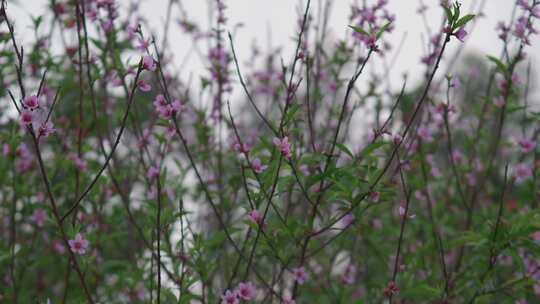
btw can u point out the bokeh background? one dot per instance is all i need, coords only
(272, 23)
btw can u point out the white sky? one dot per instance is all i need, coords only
(260, 17)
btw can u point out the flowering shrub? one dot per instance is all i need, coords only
(121, 182)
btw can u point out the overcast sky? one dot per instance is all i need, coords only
(278, 17)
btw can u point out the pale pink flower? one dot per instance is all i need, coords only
(257, 166)
(288, 300)
(425, 134)
(178, 107)
(374, 196)
(79, 162)
(536, 290)
(402, 210)
(31, 102)
(535, 236)
(148, 63)
(78, 245)
(348, 219)
(5, 149)
(255, 216)
(300, 275)
(153, 172)
(140, 291)
(59, 247)
(230, 297)
(162, 107)
(144, 86)
(39, 216)
(526, 145)
(522, 172)
(45, 129)
(457, 157)
(499, 101)
(246, 291)
(283, 146)
(349, 276)
(27, 117)
(391, 289)
(460, 34)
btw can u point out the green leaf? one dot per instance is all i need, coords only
(501, 66)
(383, 29)
(359, 30)
(370, 148)
(449, 15)
(464, 20)
(345, 149)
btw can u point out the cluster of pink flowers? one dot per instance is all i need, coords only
(165, 109)
(349, 275)
(372, 17)
(148, 63)
(79, 244)
(25, 160)
(300, 275)
(33, 115)
(283, 146)
(255, 216)
(244, 291)
(79, 162)
(39, 217)
(257, 166)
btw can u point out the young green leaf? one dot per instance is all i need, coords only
(463, 21)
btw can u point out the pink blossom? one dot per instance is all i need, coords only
(144, 86)
(240, 147)
(153, 172)
(31, 102)
(348, 219)
(79, 162)
(526, 145)
(461, 34)
(401, 210)
(45, 129)
(230, 297)
(142, 45)
(522, 172)
(349, 276)
(257, 166)
(24, 163)
(246, 291)
(536, 290)
(391, 289)
(140, 291)
(288, 300)
(535, 236)
(162, 107)
(5, 149)
(457, 156)
(374, 196)
(39, 216)
(255, 216)
(300, 275)
(283, 145)
(27, 117)
(78, 245)
(148, 63)
(425, 133)
(499, 101)
(59, 247)
(177, 106)
(471, 179)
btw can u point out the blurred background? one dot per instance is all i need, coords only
(273, 23)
